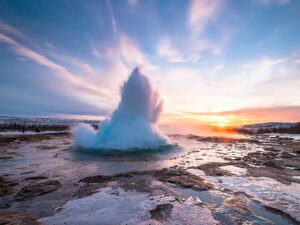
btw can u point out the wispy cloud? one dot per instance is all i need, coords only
(297, 61)
(26, 52)
(260, 70)
(130, 51)
(95, 51)
(190, 54)
(126, 49)
(132, 55)
(61, 72)
(219, 66)
(6, 28)
(264, 64)
(166, 51)
(201, 12)
(273, 2)
(133, 3)
(113, 19)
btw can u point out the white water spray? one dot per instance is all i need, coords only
(132, 125)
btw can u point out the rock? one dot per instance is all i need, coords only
(128, 181)
(4, 204)
(222, 139)
(179, 177)
(217, 172)
(182, 178)
(15, 218)
(37, 178)
(212, 169)
(281, 175)
(141, 184)
(86, 190)
(6, 157)
(107, 178)
(33, 190)
(238, 204)
(286, 155)
(161, 212)
(5, 186)
(97, 179)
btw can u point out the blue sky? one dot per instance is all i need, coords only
(207, 57)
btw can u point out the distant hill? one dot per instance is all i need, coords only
(37, 124)
(274, 127)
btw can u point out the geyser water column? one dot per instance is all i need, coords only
(132, 125)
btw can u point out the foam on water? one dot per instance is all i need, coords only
(133, 123)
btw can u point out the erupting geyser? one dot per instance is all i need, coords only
(132, 125)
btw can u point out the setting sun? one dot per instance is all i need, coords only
(222, 124)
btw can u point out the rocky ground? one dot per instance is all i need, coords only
(201, 180)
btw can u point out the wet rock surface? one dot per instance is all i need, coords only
(33, 190)
(280, 153)
(161, 212)
(182, 178)
(14, 218)
(40, 175)
(284, 176)
(178, 177)
(37, 178)
(239, 204)
(213, 169)
(5, 186)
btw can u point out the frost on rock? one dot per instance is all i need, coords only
(117, 206)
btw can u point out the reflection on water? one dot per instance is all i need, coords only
(54, 154)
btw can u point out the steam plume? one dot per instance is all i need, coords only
(133, 123)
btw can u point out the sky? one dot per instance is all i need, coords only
(213, 61)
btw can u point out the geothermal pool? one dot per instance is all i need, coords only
(199, 180)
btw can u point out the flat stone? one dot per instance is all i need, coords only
(161, 212)
(182, 178)
(33, 190)
(37, 178)
(238, 204)
(5, 186)
(15, 218)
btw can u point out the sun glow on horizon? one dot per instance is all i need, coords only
(210, 120)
